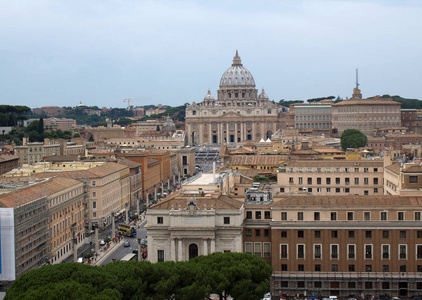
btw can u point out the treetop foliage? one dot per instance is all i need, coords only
(289, 102)
(353, 138)
(240, 275)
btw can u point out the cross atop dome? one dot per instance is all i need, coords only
(236, 60)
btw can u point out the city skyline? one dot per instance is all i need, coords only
(171, 53)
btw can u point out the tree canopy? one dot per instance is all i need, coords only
(240, 275)
(289, 102)
(353, 138)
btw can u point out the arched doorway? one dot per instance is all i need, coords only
(269, 134)
(193, 251)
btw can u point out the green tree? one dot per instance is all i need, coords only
(353, 138)
(41, 126)
(91, 138)
(239, 275)
(76, 135)
(124, 121)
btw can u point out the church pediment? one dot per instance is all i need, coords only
(231, 114)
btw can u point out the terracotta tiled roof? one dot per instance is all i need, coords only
(157, 152)
(322, 149)
(242, 150)
(349, 201)
(61, 158)
(395, 168)
(223, 202)
(334, 163)
(383, 101)
(7, 157)
(129, 163)
(256, 160)
(413, 169)
(25, 195)
(96, 172)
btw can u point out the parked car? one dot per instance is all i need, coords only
(127, 244)
(102, 243)
(81, 260)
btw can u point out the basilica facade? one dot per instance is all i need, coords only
(239, 113)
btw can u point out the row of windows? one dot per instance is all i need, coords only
(259, 249)
(347, 180)
(312, 117)
(328, 190)
(350, 216)
(335, 170)
(368, 252)
(369, 285)
(226, 220)
(350, 268)
(350, 234)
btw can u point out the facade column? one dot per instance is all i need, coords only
(201, 134)
(205, 247)
(242, 133)
(228, 132)
(253, 131)
(263, 132)
(180, 251)
(173, 249)
(74, 243)
(113, 226)
(210, 134)
(235, 132)
(97, 244)
(139, 250)
(212, 246)
(155, 193)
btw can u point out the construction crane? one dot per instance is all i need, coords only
(129, 100)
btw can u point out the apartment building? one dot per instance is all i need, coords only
(33, 152)
(365, 114)
(8, 163)
(45, 212)
(331, 177)
(316, 116)
(396, 141)
(67, 220)
(50, 111)
(107, 191)
(330, 245)
(59, 123)
(151, 170)
(135, 180)
(403, 180)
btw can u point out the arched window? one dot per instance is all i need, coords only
(193, 251)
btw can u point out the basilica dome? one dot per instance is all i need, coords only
(237, 75)
(263, 96)
(209, 96)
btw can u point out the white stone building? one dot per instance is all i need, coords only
(191, 223)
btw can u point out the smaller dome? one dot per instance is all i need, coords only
(209, 96)
(263, 95)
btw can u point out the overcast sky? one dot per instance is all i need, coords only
(171, 52)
